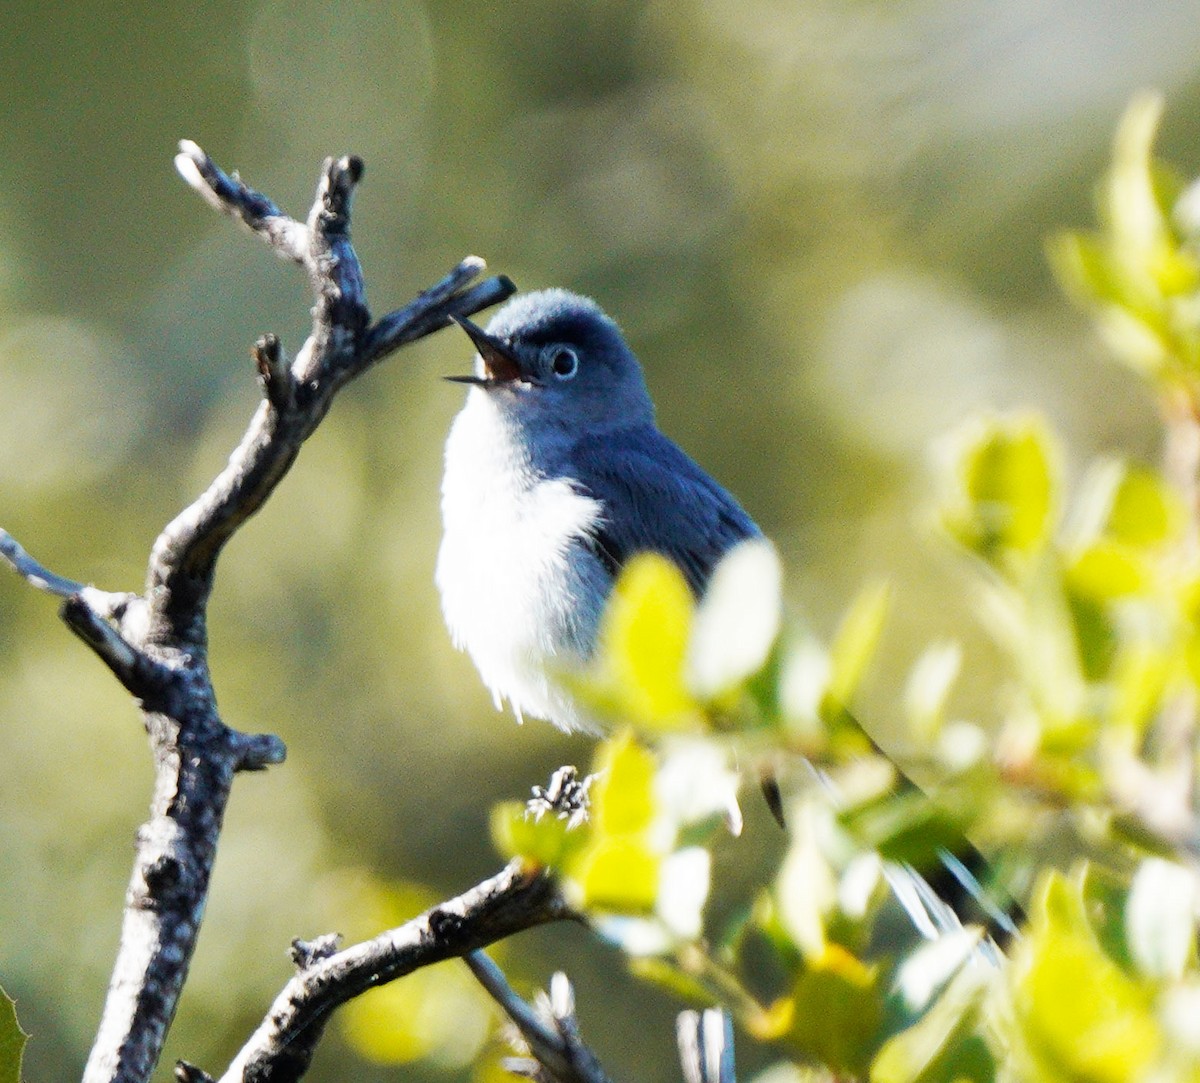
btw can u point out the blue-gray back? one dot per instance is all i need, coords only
(656, 498)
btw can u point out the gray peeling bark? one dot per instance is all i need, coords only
(156, 642)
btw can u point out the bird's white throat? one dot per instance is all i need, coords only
(511, 597)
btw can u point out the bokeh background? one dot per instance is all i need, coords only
(821, 225)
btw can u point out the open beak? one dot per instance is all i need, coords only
(499, 363)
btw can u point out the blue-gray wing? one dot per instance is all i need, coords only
(656, 498)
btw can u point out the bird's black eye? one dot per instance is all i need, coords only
(564, 362)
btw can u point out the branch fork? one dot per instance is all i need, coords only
(156, 642)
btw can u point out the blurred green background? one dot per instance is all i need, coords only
(821, 226)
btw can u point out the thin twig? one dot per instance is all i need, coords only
(32, 572)
(550, 1031)
(104, 604)
(230, 196)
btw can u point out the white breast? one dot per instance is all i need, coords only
(511, 597)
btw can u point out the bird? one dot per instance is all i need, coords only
(556, 473)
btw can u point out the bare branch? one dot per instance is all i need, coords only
(342, 345)
(141, 674)
(230, 196)
(32, 572)
(157, 645)
(432, 309)
(282, 1047)
(550, 1030)
(274, 373)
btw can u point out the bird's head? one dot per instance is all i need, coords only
(554, 358)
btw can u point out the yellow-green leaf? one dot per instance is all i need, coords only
(855, 641)
(1131, 206)
(618, 873)
(1139, 678)
(1144, 512)
(667, 974)
(1104, 571)
(644, 642)
(1003, 491)
(547, 841)
(623, 793)
(838, 1011)
(1083, 268)
(1077, 1015)
(1136, 273)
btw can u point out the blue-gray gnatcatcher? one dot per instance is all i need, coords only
(555, 475)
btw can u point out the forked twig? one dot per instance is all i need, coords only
(156, 642)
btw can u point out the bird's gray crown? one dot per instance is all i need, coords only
(556, 315)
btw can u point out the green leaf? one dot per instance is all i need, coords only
(12, 1041)
(618, 869)
(547, 842)
(623, 794)
(738, 620)
(1130, 203)
(1139, 679)
(1144, 511)
(1095, 634)
(667, 975)
(1077, 1015)
(1083, 268)
(618, 874)
(1136, 274)
(643, 646)
(1004, 488)
(837, 1011)
(855, 641)
(1105, 571)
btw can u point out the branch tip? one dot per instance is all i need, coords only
(306, 953)
(550, 1031)
(189, 1073)
(338, 180)
(229, 195)
(34, 573)
(274, 371)
(258, 751)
